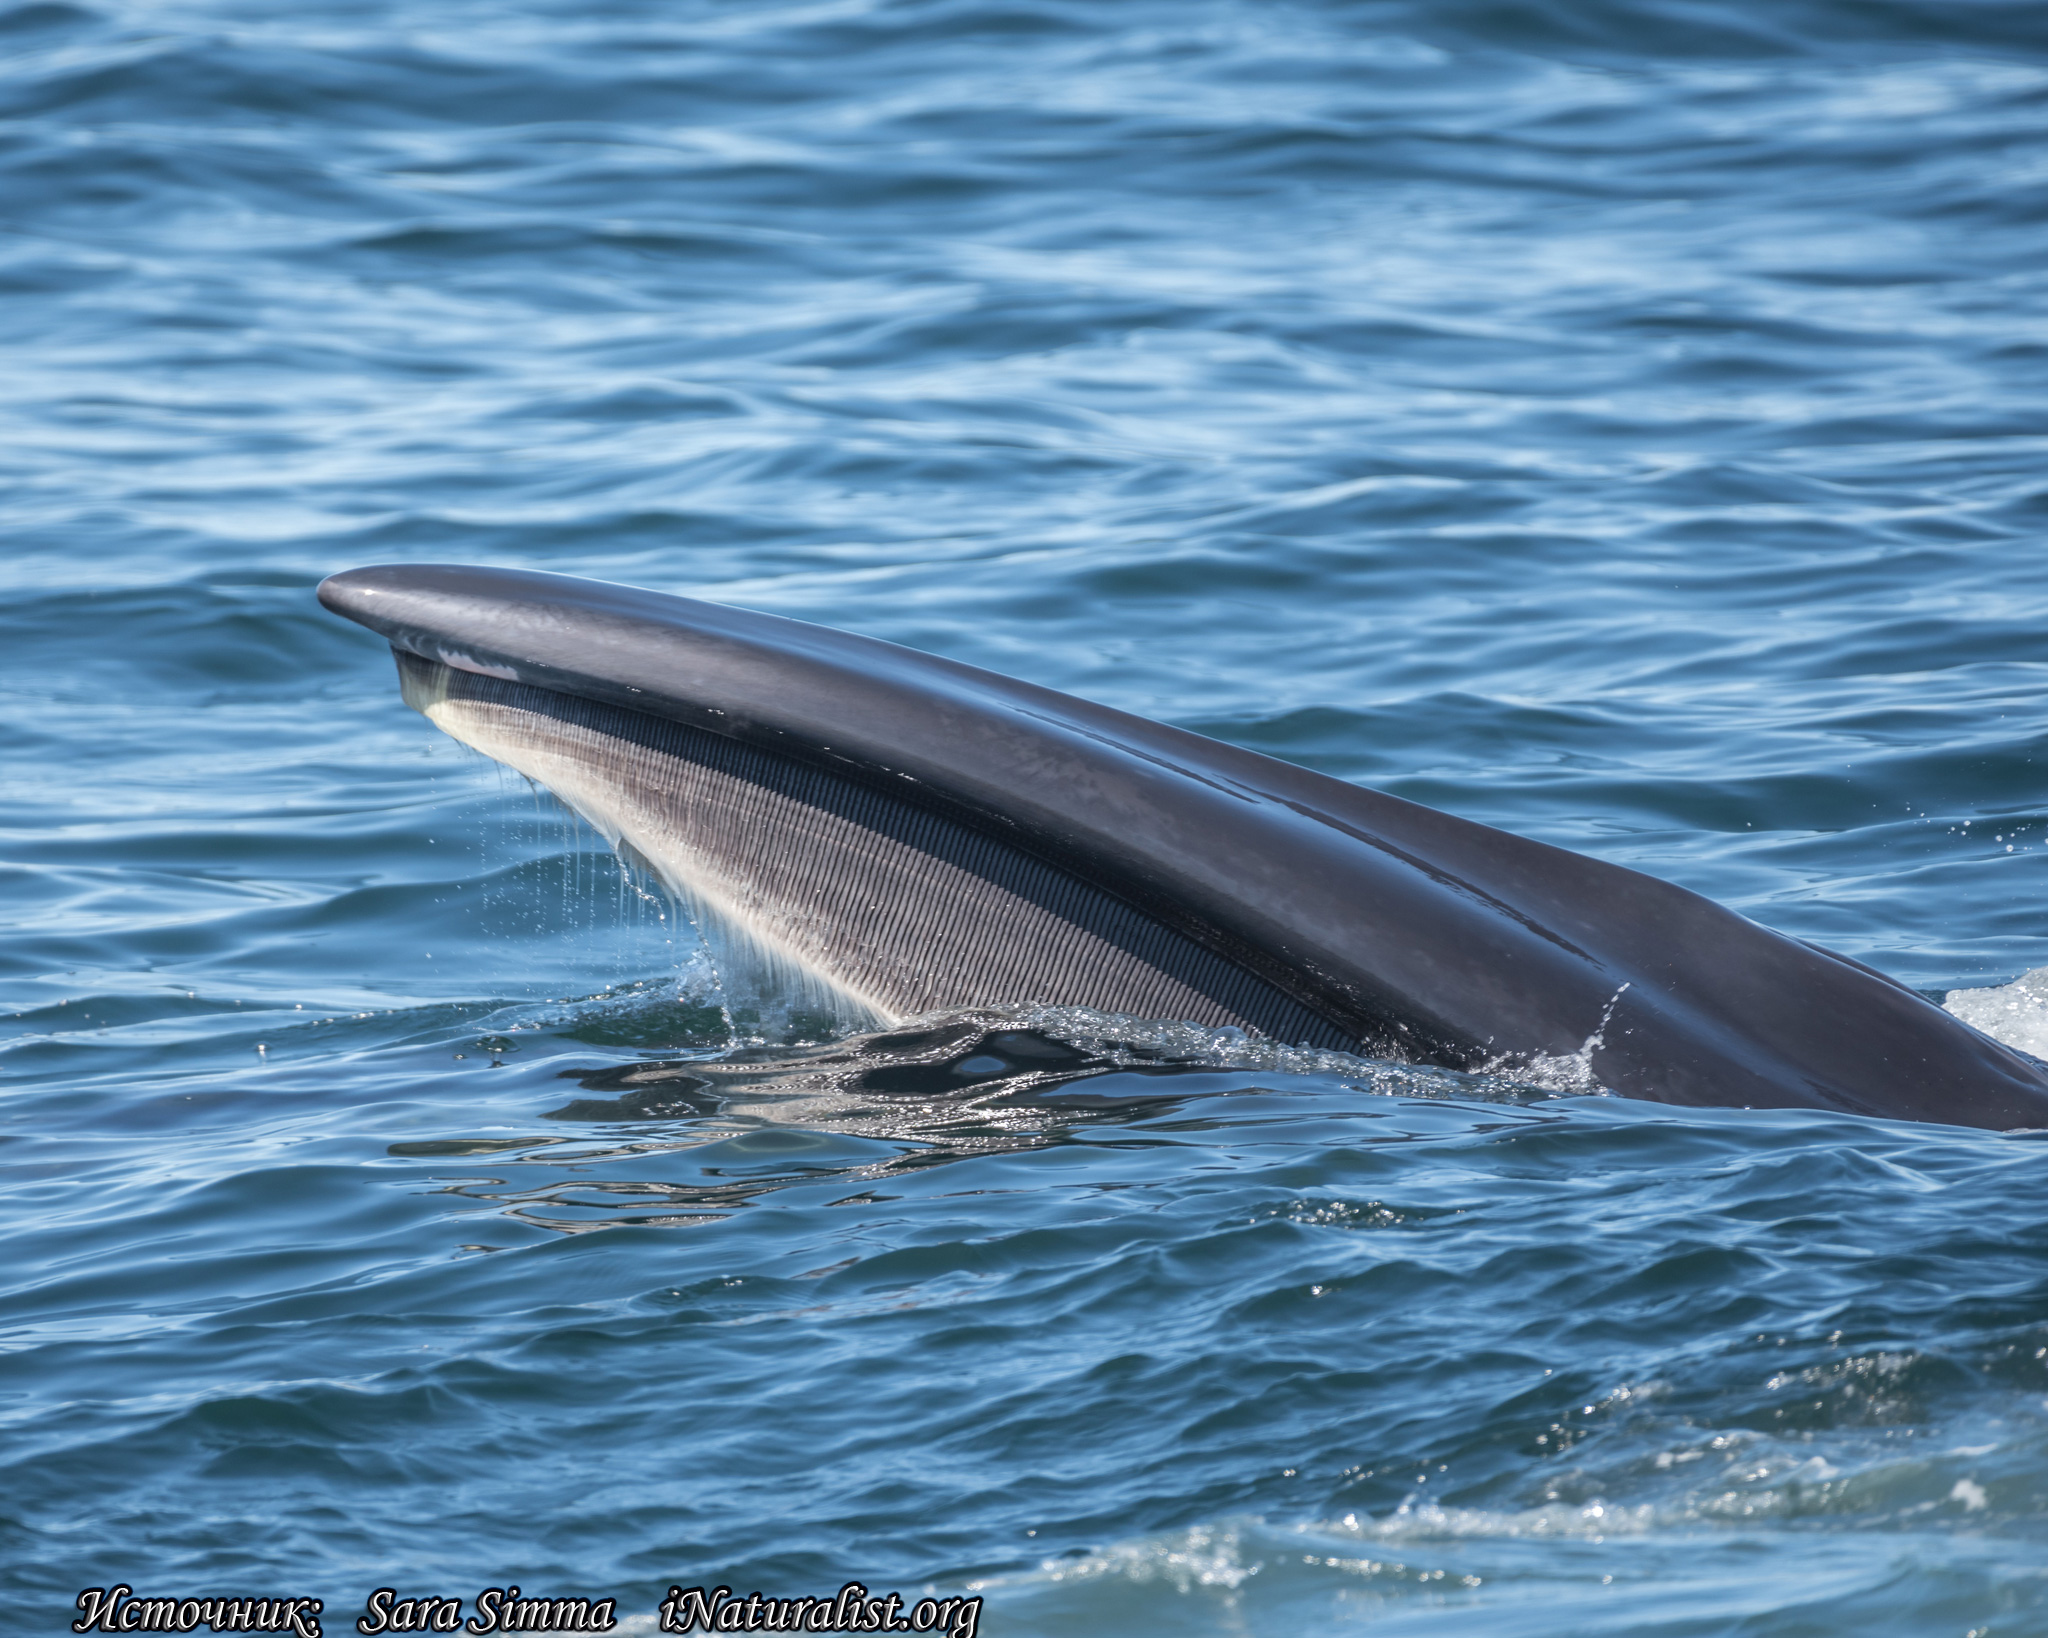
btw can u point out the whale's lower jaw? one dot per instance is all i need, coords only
(892, 908)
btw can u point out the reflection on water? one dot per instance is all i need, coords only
(759, 1119)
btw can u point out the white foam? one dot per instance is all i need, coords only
(2015, 1013)
(1207, 1555)
(1562, 1072)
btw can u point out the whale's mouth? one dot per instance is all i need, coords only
(842, 894)
(890, 834)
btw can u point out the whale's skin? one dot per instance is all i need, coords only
(1003, 833)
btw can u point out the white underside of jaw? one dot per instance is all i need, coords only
(635, 829)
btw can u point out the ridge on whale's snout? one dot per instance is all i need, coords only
(917, 834)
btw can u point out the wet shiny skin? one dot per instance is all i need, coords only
(1621, 428)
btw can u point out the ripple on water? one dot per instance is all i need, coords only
(1619, 422)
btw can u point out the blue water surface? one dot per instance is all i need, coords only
(1626, 423)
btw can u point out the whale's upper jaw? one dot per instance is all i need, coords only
(515, 624)
(1393, 926)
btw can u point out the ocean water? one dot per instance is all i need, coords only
(1625, 423)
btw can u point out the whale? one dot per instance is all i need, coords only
(916, 835)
